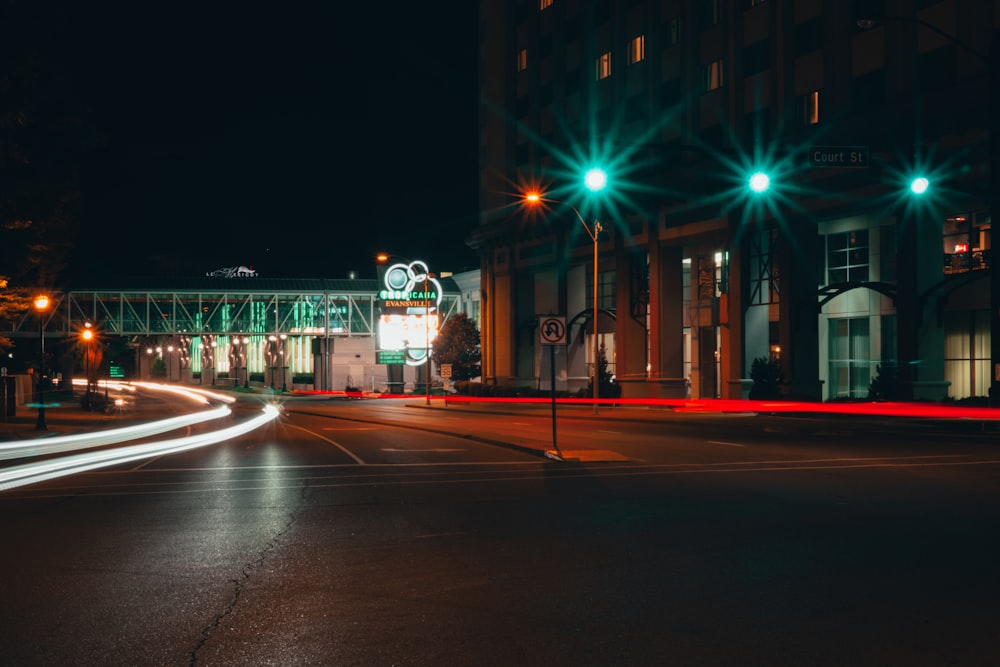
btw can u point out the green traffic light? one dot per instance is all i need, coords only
(919, 185)
(595, 179)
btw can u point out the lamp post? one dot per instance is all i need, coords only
(534, 198)
(992, 61)
(88, 338)
(284, 367)
(41, 305)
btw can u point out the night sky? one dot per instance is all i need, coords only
(297, 140)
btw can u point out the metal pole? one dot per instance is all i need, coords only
(552, 367)
(40, 425)
(597, 228)
(427, 339)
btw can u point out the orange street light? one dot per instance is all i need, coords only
(41, 305)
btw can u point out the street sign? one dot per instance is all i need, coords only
(552, 330)
(446, 370)
(845, 157)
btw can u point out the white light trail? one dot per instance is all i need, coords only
(33, 473)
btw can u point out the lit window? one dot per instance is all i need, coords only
(543, 4)
(714, 75)
(522, 60)
(604, 65)
(810, 108)
(637, 49)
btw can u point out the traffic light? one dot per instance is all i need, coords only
(919, 185)
(759, 182)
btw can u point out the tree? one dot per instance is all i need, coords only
(608, 387)
(458, 344)
(767, 378)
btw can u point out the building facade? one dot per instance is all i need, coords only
(280, 333)
(837, 261)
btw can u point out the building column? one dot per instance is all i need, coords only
(799, 259)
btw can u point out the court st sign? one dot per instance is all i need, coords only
(848, 157)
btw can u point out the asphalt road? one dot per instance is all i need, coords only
(385, 534)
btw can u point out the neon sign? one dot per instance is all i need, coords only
(409, 320)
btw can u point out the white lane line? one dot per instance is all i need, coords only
(728, 444)
(349, 428)
(339, 446)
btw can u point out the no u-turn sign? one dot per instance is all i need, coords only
(552, 330)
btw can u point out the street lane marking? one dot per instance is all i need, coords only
(339, 446)
(730, 444)
(611, 432)
(349, 428)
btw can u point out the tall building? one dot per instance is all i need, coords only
(764, 199)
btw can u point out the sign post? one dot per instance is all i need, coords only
(552, 331)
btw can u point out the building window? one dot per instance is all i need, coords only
(764, 272)
(604, 65)
(754, 3)
(967, 352)
(711, 13)
(637, 50)
(544, 4)
(847, 257)
(810, 108)
(808, 36)
(606, 293)
(714, 75)
(522, 60)
(756, 57)
(673, 33)
(850, 363)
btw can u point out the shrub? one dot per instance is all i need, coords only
(767, 378)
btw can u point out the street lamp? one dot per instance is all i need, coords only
(41, 305)
(592, 179)
(87, 335)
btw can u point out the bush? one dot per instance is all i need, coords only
(767, 379)
(885, 384)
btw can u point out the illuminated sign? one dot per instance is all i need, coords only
(390, 357)
(961, 247)
(409, 321)
(233, 272)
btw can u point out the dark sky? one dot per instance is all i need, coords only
(292, 138)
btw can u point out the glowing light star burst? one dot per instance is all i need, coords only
(595, 179)
(918, 186)
(760, 182)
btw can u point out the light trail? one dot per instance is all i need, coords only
(41, 471)
(65, 443)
